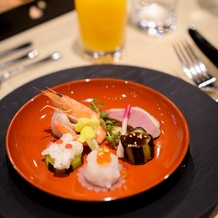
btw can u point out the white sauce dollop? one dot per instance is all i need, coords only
(61, 155)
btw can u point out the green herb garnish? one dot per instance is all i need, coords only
(112, 138)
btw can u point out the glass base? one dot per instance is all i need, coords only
(99, 57)
(103, 57)
(154, 29)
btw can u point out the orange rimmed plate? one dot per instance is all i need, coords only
(29, 133)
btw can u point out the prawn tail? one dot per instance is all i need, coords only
(63, 129)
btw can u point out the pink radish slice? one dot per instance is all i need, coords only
(120, 150)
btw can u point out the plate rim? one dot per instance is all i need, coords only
(111, 79)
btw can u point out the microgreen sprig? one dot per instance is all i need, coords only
(107, 123)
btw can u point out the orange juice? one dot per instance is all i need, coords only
(102, 24)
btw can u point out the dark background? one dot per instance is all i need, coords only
(17, 20)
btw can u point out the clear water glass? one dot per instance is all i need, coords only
(155, 17)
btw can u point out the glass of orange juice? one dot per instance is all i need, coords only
(102, 25)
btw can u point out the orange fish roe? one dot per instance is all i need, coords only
(103, 155)
(123, 173)
(68, 146)
(59, 141)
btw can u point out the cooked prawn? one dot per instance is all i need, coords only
(75, 110)
(63, 129)
(62, 123)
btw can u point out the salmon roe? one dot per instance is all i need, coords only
(103, 155)
(123, 173)
(69, 146)
(59, 141)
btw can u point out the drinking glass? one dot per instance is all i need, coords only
(102, 25)
(156, 17)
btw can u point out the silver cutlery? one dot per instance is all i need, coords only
(193, 67)
(204, 45)
(29, 55)
(52, 57)
(17, 48)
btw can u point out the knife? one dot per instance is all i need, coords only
(29, 55)
(52, 57)
(206, 47)
(17, 48)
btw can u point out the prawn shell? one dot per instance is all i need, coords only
(75, 110)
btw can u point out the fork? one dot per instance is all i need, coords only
(193, 67)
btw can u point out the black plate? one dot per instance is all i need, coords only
(190, 192)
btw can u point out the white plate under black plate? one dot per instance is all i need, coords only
(190, 192)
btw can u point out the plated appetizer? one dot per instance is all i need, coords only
(128, 131)
(102, 172)
(64, 155)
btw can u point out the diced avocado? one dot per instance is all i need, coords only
(78, 161)
(75, 163)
